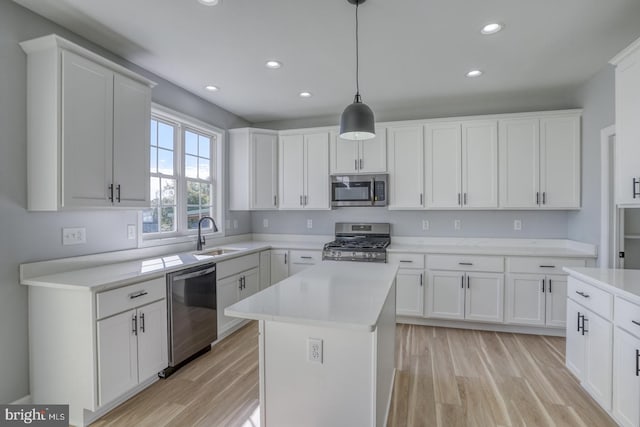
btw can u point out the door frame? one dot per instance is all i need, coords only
(608, 209)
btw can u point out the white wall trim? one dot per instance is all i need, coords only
(26, 400)
(605, 197)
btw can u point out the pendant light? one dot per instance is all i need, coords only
(357, 121)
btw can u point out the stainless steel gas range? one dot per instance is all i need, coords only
(359, 242)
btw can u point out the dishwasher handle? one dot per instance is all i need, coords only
(195, 274)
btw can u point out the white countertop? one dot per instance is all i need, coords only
(331, 293)
(625, 283)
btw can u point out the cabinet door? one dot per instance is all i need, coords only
(442, 165)
(264, 170)
(291, 166)
(484, 300)
(525, 299)
(117, 355)
(560, 162)
(279, 265)
(480, 164)
(131, 118)
(265, 269)
(627, 128)
(228, 291)
(344, 155)
(251, 282)
(519, 162)
(87, 132)
(599, 363)
(316, 159)
(406, 174)
(410, 293)
(373, 153)
(626, 382)
(556, 296)
(445, 297)
(575, 341)
(152, 339)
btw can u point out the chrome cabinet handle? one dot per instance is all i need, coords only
(465, 263)
(465, 198)
(118, 193)
(134, 322)
(355, 164)
(300, 200)
(462, 281)
(582, 294)
(459, 199)
(275, 200)
(421, 198)
(537, 197)
(543, 285)
(468, 282)
(142, 322)
(306, 200)
(306, 257)
(361, 162)
(405, 260)
(285, 258)
(547, 266)
(138, 294)
(420, 279)
(544, 197)
(549, 285)
(110, 188)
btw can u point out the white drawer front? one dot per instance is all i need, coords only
(122, 299)
(406, 260)
(595, 299)
(237, 265)
(465, 263)
(542, 265)
(627, 316)
(305, 257)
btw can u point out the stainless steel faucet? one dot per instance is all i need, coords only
(201, 240)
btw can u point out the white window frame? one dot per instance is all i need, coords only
(182, 233)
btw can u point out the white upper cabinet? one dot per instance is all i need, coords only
(304, 171)
(253, 169)
(406, 171)
(353, 157)
(627, 101)
(540, 162)
(461, 165)
(88, 129)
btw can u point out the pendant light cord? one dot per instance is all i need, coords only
(357, 56)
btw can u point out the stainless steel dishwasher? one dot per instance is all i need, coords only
(192, 314)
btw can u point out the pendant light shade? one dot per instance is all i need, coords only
(357, 121)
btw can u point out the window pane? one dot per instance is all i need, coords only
(165, 136)
(167, 219)
(168, 192)
(193, 193)
(205, 194)
(153, 160)
(190, 143)
(191, 166)
(154, 132)
(204, 149)
(165, 162)
(204, 168)
(155, 191)
(193, 216)
(150, 220)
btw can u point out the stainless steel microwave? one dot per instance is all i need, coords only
(359, 190)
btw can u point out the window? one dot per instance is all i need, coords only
(185, 176)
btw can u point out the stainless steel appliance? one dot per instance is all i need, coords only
(359, 242)
(359, 190)
(193, 316)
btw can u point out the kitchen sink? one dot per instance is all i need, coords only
(218, 251)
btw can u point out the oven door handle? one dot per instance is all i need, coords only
(372, 191)
(195, 274)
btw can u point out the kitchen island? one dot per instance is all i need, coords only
(327, 345)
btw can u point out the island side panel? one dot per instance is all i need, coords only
(338, 391)
(385, 357)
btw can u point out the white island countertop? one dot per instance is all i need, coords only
(331, 293)
(625, 283)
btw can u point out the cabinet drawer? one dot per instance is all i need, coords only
(237, 265)
(627, 316)
(122, 299)
(542, 265)
(597, 300)
(465, 263)
(305, 257)
(406, 260)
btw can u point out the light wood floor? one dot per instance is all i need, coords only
(445, 377)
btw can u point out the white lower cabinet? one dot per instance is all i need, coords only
(279, 265)
(445, 298)
(231, 290)
(484, 297)
(301, 260)
(410, 292)
(535, 299)
(626, 378)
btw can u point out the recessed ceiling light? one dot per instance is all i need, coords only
(212, 88)
(305, 94)
(474, 73)
(491, 28)
(272, 63)
(210, 2)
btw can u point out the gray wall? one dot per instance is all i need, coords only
(28, 236)
(597, 97)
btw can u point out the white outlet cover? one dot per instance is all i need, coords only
(309, 223)
(457, 224)
(74, 236)
(131, 231)
(314, 350)
(517, 224)
(265, 223)
(425, 224)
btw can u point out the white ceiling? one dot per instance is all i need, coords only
(411, 51)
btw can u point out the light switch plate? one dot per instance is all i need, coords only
(74, 236)
(265, 223)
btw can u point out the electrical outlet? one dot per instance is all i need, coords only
(457, 225)
(235, 223)
(314, 350)
(265, 223)
(425, 224)
(517, 224)
(74, 236)
(309, 223)
(131, 231)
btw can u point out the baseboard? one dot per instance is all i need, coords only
(26, 400)
(388, 411)
(495, 327)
